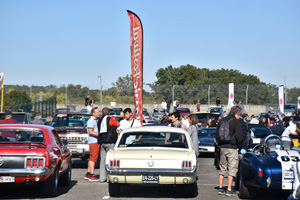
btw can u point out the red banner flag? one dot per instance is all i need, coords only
(136, 49)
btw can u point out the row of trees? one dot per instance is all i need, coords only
(187, 82)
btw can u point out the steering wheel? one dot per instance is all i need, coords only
(266, 143)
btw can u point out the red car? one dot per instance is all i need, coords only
(33, 154)
(183, 111)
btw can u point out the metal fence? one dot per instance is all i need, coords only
(247, 94)
(45, 108)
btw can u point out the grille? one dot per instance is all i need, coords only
(75, 140)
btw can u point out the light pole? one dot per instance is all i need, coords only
(99, 76)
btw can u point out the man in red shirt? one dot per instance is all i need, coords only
(8, 120)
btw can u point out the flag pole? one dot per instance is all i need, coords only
(2, 89)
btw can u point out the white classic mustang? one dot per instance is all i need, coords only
(152, 155)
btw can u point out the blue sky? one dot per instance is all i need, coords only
(72, 41)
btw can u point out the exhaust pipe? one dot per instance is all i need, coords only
(27, 182)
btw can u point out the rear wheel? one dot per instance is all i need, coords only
(244, 191)
(114, 189)
(50, 187)
(190, 190)
(65, 180)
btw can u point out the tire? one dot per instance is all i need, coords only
(50, 187)
(65, 180)
(114, 189)
(217, 161)
(190, 190)
(244, 191)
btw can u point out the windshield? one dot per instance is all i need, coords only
(207, 133)
(16, 134)
(215, 109)
(159, 110)
(290, 107)
(146, 114)
(70, 120)
(183, 110)
(260, 130)
(153, 139)
(21, 118)
(117, 109)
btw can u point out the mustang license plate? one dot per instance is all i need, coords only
(150, 178)
(7, 179)
(288, 174)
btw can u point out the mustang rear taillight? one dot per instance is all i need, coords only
(114, 163)
(35, 162)
(186, 164)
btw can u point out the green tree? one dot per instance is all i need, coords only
(15, 97)
(124, 85)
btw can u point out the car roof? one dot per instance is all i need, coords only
(27, 126)
(75, 112)
(155, 129)
(204, 128)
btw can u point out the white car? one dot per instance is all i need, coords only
(155, 155)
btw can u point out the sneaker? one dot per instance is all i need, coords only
(87, 177)
(221, 191)
(230, 193)
(93, 178)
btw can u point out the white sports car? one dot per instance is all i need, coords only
(152, 155)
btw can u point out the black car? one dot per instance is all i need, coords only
(206, 139)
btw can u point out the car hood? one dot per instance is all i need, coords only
(206, 141)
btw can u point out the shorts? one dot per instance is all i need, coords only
(94, 151)
(229, 162)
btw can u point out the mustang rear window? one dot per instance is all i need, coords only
(21, 135)
(70, 120)
(153, 139)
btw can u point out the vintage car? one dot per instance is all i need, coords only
(183, 111)
(158, 113)
(206, 139)
(152, 156)
(20, 116)
(71, 126)
(267, 167)
(33, 154)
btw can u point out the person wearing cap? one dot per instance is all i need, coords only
(8, 118)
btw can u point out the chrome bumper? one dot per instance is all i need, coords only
(25, 172)
(166, 172)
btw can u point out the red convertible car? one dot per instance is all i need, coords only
(33, 154)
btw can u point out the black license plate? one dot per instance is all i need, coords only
(150, 178)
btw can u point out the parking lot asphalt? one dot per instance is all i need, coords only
(83, 189)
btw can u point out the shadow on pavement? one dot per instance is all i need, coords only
(30, 192)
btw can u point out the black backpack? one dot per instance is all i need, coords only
(108, 137)
(224, 132)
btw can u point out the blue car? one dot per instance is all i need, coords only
(267, 167)
(206, 139)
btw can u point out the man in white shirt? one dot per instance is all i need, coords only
(185, 120)
(286, 139)
(128, 122)
(254, 120)
(164, 104)
(175, 105)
